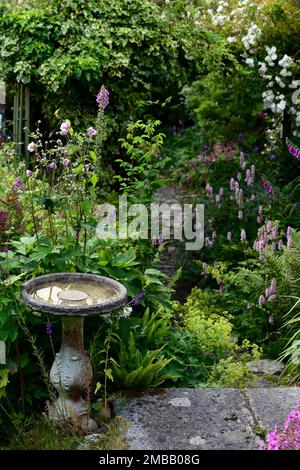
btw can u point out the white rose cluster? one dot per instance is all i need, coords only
(251, 39)
(278, 75)
(271, 56)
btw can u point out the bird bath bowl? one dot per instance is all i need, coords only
(73, 296)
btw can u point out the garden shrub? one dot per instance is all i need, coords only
(230, 372)
(63, 51)
(210, 327)
(203, 344)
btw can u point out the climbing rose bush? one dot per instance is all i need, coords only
(289, 437)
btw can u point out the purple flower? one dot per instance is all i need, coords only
(241, 136)
(293, 149)
(208, 242)
(232, 184)
(209, 189)
(66, 162)
(229, 236)
(52, 165)
(239, 197)
(240, 215)
(261, 300)
(273, 285)
(31, 147)
(242, 160)
(221, 192)
(59, 142)
(91, 132)
(139, 295)
(18, 183)
(288, 438)
(64, 128)
(3, 220)
(267, 187)
(218, 199)
(252, 197)
(136, 302)
(28, 173)
(243, 235)
(157, 240)
(49, 328)
(102, 98)
(239, 176)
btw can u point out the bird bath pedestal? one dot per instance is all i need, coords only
(73, 296)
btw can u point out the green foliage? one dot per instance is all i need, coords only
(230, 373)
(65, 51)
(143, 146)
(226, 102)
(3, 381)
(140, 370)
(37, 433)
(210, 327)
(202, 345)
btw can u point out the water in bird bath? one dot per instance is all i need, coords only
(73, 293)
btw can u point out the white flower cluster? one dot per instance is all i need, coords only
(274, 99)
(251, 39)
(224, 14)
(275, 102)
(271, 56)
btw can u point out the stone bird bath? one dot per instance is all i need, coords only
(73, 296)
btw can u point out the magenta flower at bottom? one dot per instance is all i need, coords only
(288, 438)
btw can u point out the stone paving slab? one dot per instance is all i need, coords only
(199, 419)
(271, 406)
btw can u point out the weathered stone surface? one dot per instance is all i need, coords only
(266, 366)
(271, 406)
(191, 419)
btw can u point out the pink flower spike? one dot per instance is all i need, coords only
(66, 162)
(28, 173)
(52, 165)
(102, 98)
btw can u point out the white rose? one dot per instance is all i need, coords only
(250, 62)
